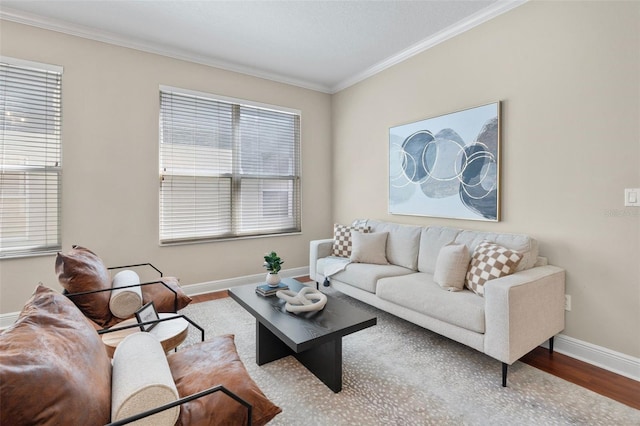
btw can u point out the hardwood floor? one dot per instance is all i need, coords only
(209, 296)
(601, 381)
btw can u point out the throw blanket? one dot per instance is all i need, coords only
(332, 266)
(336, 264)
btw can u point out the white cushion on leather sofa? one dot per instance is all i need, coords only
(124, 302)
(141, 380)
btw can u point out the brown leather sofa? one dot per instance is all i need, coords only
(54, 370)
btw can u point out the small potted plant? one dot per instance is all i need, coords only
(273, 264)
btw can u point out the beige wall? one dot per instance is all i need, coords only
(110, 161)
(568, 75)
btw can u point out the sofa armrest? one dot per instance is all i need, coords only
(523, 310)
(317, 250)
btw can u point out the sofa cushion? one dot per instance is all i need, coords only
(52, 349)
(523, 244)
(162, 297)
(211, 363)
(402, 243)
(82, 270)
(432, 239)
(451, 267)
(141, 380)
(365, 275)
(490, 261)
(420, 293)
(342, 239)
(369, 248)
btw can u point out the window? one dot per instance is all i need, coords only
(228, 168)
(30, 154)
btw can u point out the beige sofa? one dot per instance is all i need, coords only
(515, 314)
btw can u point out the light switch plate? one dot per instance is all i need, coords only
(632, 197)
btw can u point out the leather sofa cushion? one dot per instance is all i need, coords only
(162, 297)
(54, 369)
(211, 363)
(82, 270)
(420, 293)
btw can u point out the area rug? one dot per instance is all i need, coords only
(397, 373)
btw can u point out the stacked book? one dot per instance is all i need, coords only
(266, 290)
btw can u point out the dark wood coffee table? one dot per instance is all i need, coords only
(314, 338)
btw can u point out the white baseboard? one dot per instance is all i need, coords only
(599, 356)
(602, 357)
(210, 286)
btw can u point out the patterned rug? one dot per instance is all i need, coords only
(397, 373)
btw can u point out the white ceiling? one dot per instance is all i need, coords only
(321, 45)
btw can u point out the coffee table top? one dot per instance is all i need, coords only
(304, 330)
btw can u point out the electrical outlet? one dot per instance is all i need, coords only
(567, 302)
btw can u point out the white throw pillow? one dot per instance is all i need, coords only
(369, 248)
(141, 380)
(451, 267)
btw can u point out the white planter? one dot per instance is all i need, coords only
(273, 279)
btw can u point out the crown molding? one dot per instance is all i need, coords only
(498, 8)
(111, 38)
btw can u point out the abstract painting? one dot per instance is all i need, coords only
(447, 166)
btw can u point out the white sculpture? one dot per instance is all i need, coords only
(306, 300)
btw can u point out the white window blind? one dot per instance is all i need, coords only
(228, 169)
(30, 158)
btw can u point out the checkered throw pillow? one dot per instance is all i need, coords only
(490, 261)
(342, 239)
